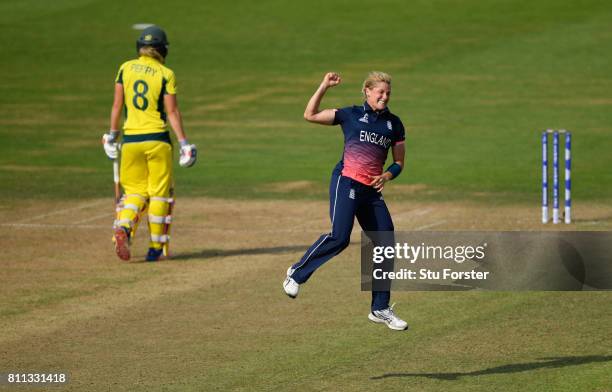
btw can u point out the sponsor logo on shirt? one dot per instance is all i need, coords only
(364, 119)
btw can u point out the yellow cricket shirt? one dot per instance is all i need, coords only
(145, 82)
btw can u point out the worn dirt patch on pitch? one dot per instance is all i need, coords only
(292, 186)
(28, 115)
(240, 125)
(77, 144)
(77, 275)
(72, 98)
(237, 100)
(587, 101)
(34, 169)
(408, 189)
(67, 298)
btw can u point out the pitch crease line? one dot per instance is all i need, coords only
(415, 212)
(93, 218)
(429, 226)
(63, 211)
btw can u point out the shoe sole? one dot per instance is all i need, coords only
(377, 320)
(122, 245)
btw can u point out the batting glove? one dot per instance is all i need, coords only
(109, 141)
(188, 154)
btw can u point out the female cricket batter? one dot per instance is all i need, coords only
(369, 131)
(146, 90)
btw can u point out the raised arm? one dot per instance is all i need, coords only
(312, 112)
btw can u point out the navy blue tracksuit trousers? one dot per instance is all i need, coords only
(348, 199)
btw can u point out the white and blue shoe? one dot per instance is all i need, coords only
(290, 286)
(387, 316)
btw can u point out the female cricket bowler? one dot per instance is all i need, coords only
(146, 89)
(370, 130)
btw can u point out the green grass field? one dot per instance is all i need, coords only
(474, 82)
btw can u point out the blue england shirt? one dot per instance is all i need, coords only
(368, 135)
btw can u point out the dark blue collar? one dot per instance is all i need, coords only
(368, 108)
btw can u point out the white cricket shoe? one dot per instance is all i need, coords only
(387, 316)
(291, 286)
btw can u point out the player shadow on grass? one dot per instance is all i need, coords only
(210, 253)
(549, 363)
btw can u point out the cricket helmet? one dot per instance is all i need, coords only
(153, 36)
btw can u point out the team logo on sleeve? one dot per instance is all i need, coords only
(389, 125)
